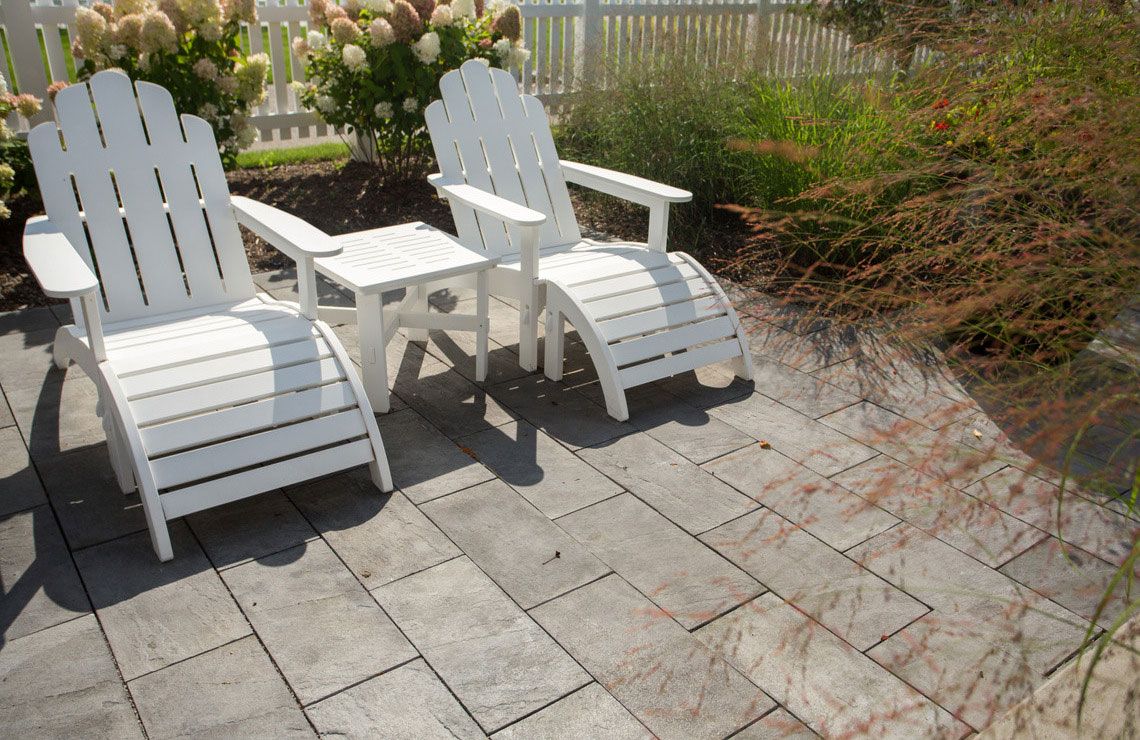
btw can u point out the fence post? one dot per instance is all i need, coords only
(589, 44)
(24, 45)
(761, 35)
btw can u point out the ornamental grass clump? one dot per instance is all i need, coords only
(373, 65)
(190, 47)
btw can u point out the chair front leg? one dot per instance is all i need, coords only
(528, 299)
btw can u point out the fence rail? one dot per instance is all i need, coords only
(572, 43)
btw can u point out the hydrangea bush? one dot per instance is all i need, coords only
(373, 65)
(190, 47)
(15, 166)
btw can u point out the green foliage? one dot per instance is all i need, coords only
(262, 158)
(727, 135)
(376, 66)
(16, 173)
(190, 47)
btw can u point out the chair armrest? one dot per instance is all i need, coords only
(490, 204)
(283, 231)
(54, 262)
(627, 187)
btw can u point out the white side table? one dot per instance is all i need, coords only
(406, 256)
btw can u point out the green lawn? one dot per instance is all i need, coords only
(293, 155)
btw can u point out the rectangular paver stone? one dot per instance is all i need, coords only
(157, 613)
(849, 600)
(407, 703)
(1093, 528)
(683, 428)
(686, 495)
(37, 578)
(250, 528)
(323, 629)
(936, 454)
(500, 664)
(832, 687)
(19, 485)
(425, 463)
(973, 526)
(651, 664)
(776, 725)
(805, 393)
(801, 438)
(670, 566)
(543, 471)
(62, 683)
(1071, 577)
(87, 499)
(451, 402)
(381, 536)
(562, 412)
(529, 556)
(830, 512)
(589, 713)
(231, 691)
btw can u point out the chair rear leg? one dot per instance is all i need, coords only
(555, 344)
(59, 352)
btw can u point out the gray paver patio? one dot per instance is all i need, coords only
(838, 579)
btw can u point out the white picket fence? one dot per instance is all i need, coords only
(572, 43)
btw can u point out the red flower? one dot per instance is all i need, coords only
(941, 126)
(944, 102)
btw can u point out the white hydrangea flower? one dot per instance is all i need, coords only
(463, 8)
(518, 56)
(494, 7)
(379, 7)
(410, 105)
(317, 40)
(502, 48)
(383, 110)
(298, 87)
(326, 104)
(354, 57)
(315, 81)
(427, 48)
(441, 16)
(117, 51)
(209, 111)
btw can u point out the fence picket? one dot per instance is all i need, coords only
(573, 44)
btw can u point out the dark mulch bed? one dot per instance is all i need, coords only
(337, 197)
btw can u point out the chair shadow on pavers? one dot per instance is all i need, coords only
(47, 590)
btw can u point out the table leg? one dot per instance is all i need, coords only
(370, 325)
(482, 310)
(419, 304)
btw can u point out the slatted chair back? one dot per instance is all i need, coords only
(489, 136)
(141, 194)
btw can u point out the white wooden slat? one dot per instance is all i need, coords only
(280, 93)
(228, 249)
(255, 449)
(644, 300)
(247, 418)
(672, 273)
(120, 337)
(258, 480)
(460, 154)
(674, 340)
(169, 152)
(86, 159)
(142, 202)
(647, 372)
(216, 344)
(169, 406)
(57, 64)
(596, 266)
(657, 319)
(222, 368)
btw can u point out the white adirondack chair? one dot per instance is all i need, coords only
(643, 313)
(209, 391)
